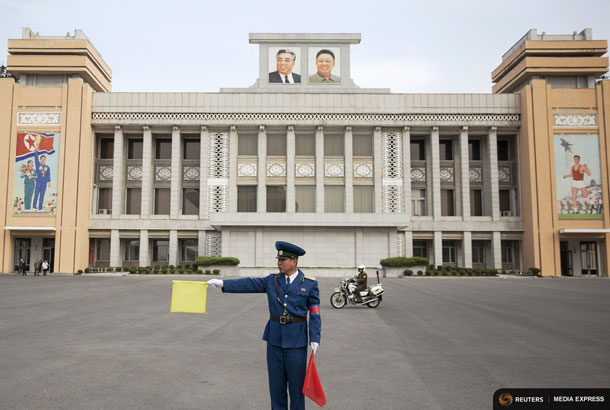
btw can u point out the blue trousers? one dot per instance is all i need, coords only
(39, 195)
(286, 369)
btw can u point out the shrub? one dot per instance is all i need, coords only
(216, 271)
(132, 270)
(439, 267)
(429, 272)
(401, 261)
(87, 270)
(534, 271)
(216, 260)
(420, 272)
(199, 271)
(408, 272)
(79, 272)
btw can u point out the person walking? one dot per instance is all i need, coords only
(45, 267)
(21, 267)
(37, 267)
(291, 296)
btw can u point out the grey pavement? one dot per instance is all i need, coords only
(90, 342)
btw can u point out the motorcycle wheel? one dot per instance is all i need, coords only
(337, 300)
(374, 303)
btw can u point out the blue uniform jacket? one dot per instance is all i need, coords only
(39, 169)
(301, 297)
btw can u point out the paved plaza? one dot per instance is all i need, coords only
(90, 342)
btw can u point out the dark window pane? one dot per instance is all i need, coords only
(246, 198)
(305, 196)
(476, 202)
(188, 250)
(163, 148)
(104, 201)
(505, 202)
(418, 150)
(247, 143)
(503, 150)
(334, 198)
(446, 150)
(276, 144)
(305, 144)
(276, 198)
(107, 148)
(135, 147)
(133, 201)
(364, 198)
(334, 144)
(162, 201)
(362, 145)
(474, 150)
(190, 201)
(160, 250)
(447, 202)
(420, 248)
(191, 149)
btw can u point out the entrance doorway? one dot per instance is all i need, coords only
(588, 258)
(567, 264)
(23, 247)
(48, 252)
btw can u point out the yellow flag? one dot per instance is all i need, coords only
(189, 297)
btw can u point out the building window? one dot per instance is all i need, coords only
(305, 196)
(503, 150)
(160, 250)
(101, 252)
(420, 248)
(276, 198)
(276, 144)
(162, 201)
(449, 252)
(418, 201)
(191, 149)
(247, 143)
(476, 202)
(418, 150)
(474, 150)
(364, 198)
(132, 250)
(446, 150)
(305, 144)
(334, 198)
(246, 198)
(508, 256)
(478, 252)
(106, 148)
(190, 201)
(188, 250)
(163, 148)
(362, 145)
(334, 145)
(134, 148)
(133, 201)
(447, 202)
(104, 201)
(505, 208)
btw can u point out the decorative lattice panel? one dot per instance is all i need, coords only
(134, 173)
(163, 173)
(392, 199)
(191, 173)
(476, 174)
(391, 155)
(217, 198)
(105, 172)
(219, 155)
(213, 244)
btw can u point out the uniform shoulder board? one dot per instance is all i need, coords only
(310, 278)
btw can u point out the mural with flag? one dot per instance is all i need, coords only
(578, 176)
(36, 171)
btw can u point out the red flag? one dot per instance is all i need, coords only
(26, 144)
(312, 387)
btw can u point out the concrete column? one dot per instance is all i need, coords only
(349, 171)
(204, 152)
(496, 248)
(359, 250)
(290, 153)
(232, 169)
(147, 173)
(201, 243)
(438, 248)
(467, 249)
(261, 190)
(176, 181)
(406, 177)
(409, 244)
(259, 251)
(118, 186)
(492, 172)
(436, 174)
(465, 176)
(173, 247)
(392, 243)
(377, 170)
(115, 248)
(144, 257)
(320, 169)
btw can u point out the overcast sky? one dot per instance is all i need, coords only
(408, 46)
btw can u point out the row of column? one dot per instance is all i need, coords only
(437, 248)
(145, 257)
(148, 173)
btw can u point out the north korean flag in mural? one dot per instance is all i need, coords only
(26, 144)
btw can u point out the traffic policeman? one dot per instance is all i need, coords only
(291, 296)
(361, 281)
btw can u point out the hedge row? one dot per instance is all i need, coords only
(402, 261)
(217, 260)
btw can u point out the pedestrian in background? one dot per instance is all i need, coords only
(45, 267)
(37, 267)
(22, 267)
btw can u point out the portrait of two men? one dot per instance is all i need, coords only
(323, 64)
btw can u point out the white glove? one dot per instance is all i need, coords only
(216, 283)
(314, 346)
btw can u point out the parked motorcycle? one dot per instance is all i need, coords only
(371, 297)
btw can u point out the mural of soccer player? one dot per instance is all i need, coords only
(43, 179)
(577, 174)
